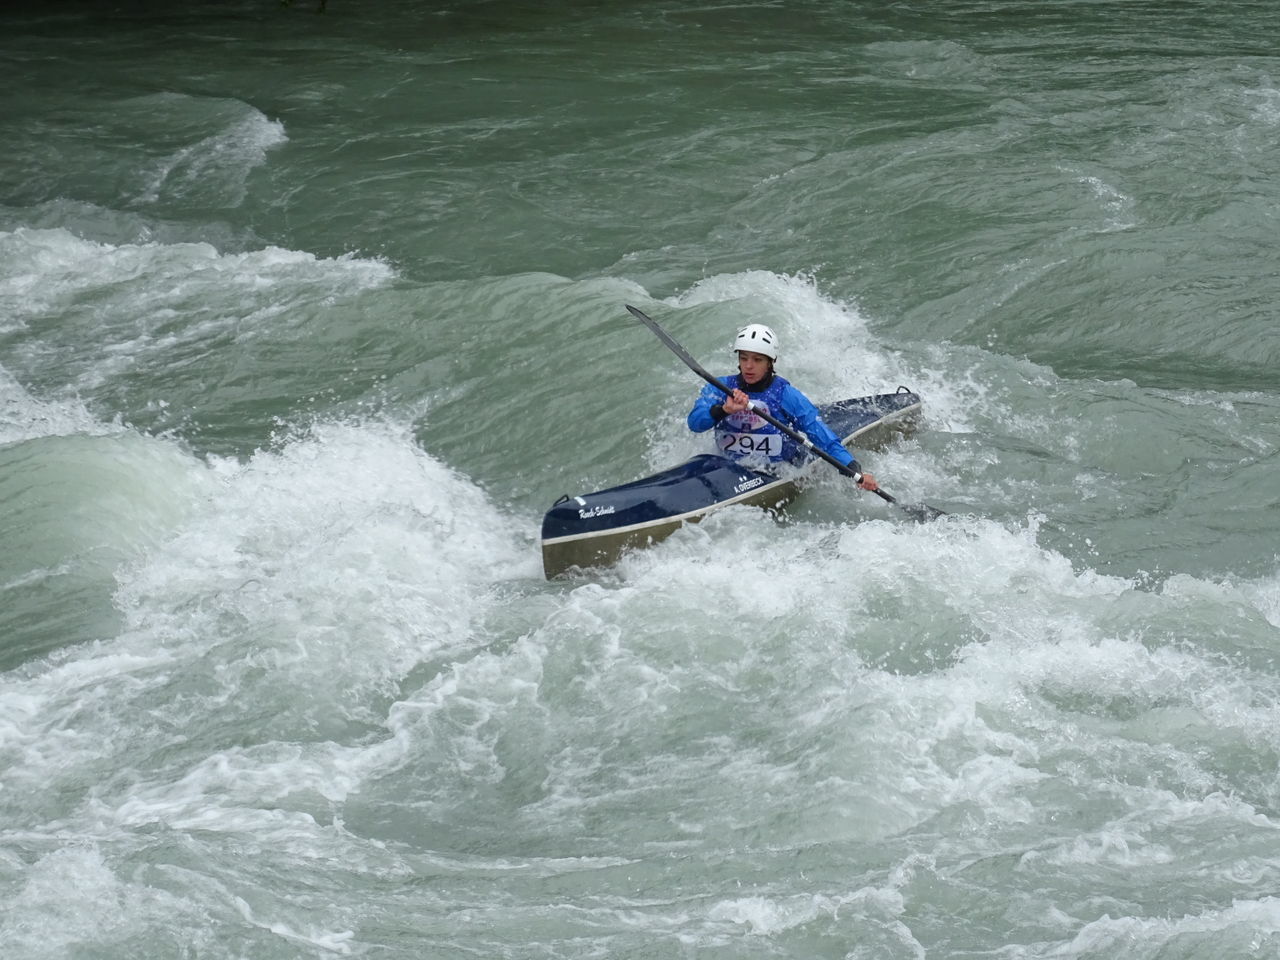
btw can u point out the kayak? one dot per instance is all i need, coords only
(593, 529)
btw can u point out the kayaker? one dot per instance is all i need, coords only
(740, 434)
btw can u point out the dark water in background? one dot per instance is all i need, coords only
(304, 321)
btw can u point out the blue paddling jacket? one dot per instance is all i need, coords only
(742, 436)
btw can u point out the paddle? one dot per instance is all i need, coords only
(916, 511)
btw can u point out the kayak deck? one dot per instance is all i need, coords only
(593, 529)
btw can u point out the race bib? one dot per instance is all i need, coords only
(749, 444)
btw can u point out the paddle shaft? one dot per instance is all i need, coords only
(795, 435)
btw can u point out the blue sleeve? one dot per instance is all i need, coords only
(700, 416)
(804, 417)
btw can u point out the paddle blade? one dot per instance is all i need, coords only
(920, 512)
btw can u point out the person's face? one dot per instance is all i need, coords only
(752, 366)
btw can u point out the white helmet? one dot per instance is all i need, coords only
(757, 338)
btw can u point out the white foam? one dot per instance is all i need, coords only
(351, 527)
(1234, 927)
(49, 269)
(1261, 594)
(332, 941)
(1116, 846)
(292, 601)
(213, 169)
(128, 298)
(25, 417)
(871, 915)
(906, 640)
(71, 900)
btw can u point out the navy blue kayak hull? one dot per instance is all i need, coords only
(592, 529)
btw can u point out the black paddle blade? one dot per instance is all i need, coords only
(920, 512)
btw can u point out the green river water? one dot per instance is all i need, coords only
(306, 319)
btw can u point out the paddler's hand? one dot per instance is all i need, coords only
(868, 482)
(735, 402)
